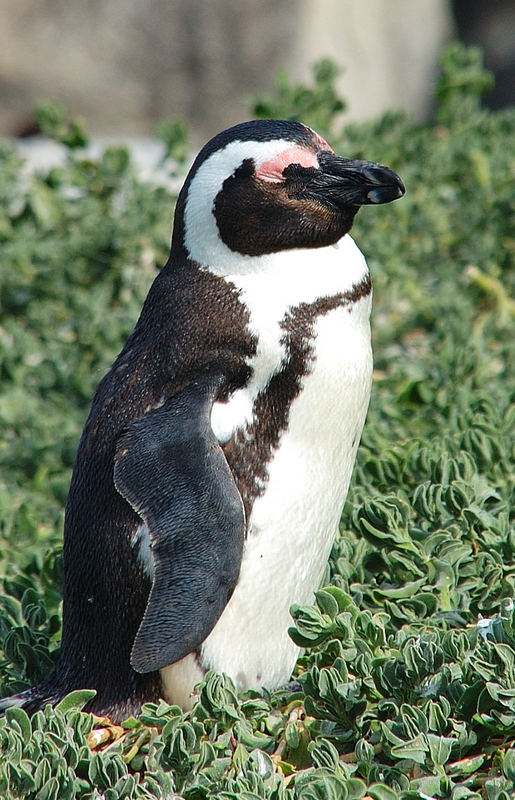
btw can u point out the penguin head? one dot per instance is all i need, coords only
(271, 185)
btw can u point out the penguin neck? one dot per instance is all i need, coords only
(291, 277)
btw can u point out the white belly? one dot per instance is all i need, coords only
(294, 521)
(293, 524)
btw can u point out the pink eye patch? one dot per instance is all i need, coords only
(272, 170)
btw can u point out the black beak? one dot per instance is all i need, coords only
(342, 182)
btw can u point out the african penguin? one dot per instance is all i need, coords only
(215, 461)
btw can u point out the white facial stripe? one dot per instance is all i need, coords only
(201, 238)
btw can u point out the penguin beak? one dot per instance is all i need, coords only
(344, 182)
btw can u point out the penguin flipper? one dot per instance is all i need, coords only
(170, 467)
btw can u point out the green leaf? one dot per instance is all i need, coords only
(465, 766)
(54, 121)
(415, 749)
(174, 133)
(508, 765)
(75, 701)
(19, 720)
(327, 602)
(322, 784)
(381, 792)
(440, 748)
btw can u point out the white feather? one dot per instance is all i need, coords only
(141, 541)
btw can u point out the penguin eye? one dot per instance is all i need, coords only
(298, 173)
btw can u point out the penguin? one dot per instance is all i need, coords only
(215, 461)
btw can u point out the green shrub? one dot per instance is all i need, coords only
(409, 671)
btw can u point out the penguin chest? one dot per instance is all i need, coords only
(299, 486)
(309, 471)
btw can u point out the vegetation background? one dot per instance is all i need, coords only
(408, 678)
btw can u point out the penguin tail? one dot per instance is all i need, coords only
(116, 706)
(31, 700)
